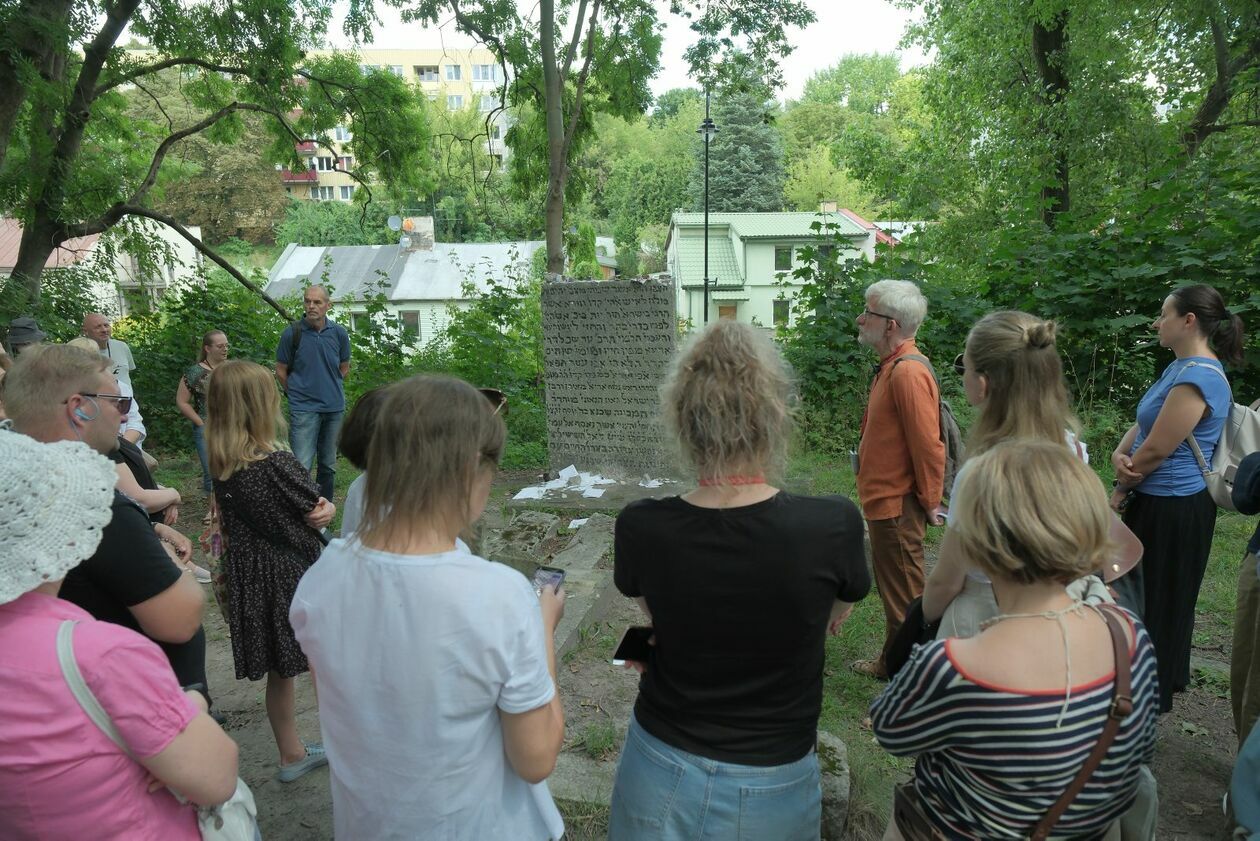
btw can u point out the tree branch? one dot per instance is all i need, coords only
(1218, 95)
(129, 210)
(571, 52)
(149, 69)
(583, 75)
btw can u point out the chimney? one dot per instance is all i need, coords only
(417, 233)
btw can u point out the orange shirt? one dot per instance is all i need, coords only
(901, 450)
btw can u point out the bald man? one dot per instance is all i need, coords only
(97, 327)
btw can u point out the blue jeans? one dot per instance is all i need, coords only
(199, 441)
(666, 794)
(312, 435)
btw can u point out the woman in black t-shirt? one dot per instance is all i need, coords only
(741, 582)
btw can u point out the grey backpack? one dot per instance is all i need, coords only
(951, 435)
(1240, 437)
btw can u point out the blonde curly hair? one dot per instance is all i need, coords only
(728, 401)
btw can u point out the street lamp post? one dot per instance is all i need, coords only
(706, 131)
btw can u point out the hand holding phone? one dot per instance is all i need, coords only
(635, 648)
(551, 577)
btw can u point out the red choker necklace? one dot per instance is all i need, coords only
(733, 480)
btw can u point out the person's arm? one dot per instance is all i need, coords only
(914, 394)
(152, 501)
(183, 402)
(282, 374)
(532, 740)
(344, 348)
(284, 361)
(839, 614)
(200, 763)
(133, 424)
(1182, 410)
(321, 515)
(174, 615)
(947, 579)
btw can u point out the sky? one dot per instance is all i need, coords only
(843, 26)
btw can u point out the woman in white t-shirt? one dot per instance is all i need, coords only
(438, 703)
(1012, 373)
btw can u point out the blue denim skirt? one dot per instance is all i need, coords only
(666, 794)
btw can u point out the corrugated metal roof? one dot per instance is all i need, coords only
(750, 225)
(437, 275)
(67, 254)
(723, 269)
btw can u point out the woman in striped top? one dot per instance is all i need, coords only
(1002, 722)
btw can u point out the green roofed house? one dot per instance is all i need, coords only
(749, 254)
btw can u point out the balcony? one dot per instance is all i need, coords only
(307, 148)
(304, 176)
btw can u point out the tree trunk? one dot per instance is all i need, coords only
(39, 240)
(1049, 46)
(34, 28)
(558, 170)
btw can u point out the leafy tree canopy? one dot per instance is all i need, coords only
(745, 157)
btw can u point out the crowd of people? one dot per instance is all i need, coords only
(1053, 631)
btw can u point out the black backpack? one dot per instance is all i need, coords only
(295, 341)
(951, 435)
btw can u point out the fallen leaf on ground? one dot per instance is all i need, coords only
(1190, 728)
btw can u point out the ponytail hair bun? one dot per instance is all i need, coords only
(1040, 334)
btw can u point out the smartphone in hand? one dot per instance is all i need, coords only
(551, 577)
(634, 645)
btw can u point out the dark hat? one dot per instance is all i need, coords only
(24, 331)
(1246, 491)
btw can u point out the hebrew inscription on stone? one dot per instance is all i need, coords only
(606, 346)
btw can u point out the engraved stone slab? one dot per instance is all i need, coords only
(606, 347)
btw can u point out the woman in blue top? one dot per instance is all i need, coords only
(1159, 485)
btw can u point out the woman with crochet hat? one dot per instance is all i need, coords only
(61, 776)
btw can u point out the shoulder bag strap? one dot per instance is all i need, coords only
(1121, 707)
(1194, 445)
(79, 688)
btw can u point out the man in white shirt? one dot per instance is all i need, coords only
(97, 328)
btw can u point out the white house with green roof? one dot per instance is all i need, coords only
(748, 254)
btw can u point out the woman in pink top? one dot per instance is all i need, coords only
(60, 775)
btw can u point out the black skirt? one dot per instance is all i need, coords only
(1176, 534)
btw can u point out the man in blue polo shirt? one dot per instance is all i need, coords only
(312, 374)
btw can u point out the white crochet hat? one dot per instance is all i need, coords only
(54, 502)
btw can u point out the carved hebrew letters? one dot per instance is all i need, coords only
(606, 347)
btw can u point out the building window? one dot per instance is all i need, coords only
(347, 192)
(426, 73)
(346, 162)
(485, 72)
(410, 326)
(369, 68)
(397, 70)
(783, 258)
(453, 72)
(322, 193)
(322, 163)
(496, 131)
(360, 321)
(781, 310)
(454, 102)
(341, 134)
(825, 252)
(488, 103)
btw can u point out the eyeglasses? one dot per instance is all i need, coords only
(959, 368)
(497, 398)
(878, 314)
(122, 403)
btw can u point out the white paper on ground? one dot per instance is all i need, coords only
(568, 472)
(650, 483)
(573, 524)
(529, 493)
(593, 493)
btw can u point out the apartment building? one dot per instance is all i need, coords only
(452, 78)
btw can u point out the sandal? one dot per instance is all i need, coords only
(869, 668)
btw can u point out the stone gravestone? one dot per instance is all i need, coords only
(607, 345)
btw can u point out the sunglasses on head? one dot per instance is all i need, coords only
(959, 368)
(497, 399)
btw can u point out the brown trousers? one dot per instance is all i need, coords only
(897, 558)
(1244, 683)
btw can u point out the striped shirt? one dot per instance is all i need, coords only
(992, 761)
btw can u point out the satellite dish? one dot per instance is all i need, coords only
(394, 223)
